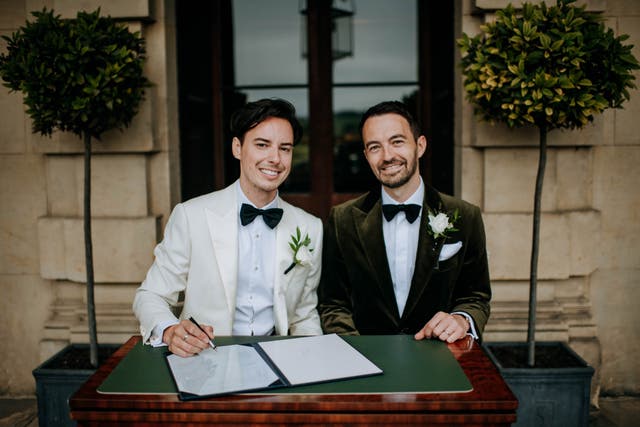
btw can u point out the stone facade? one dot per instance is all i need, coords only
(134, 185)
(589, 262)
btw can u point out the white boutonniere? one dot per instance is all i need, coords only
(301, 250)
(440, 224)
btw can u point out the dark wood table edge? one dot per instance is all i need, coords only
(480, 405)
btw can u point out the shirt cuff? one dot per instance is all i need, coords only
(156, 334)
(472, 326)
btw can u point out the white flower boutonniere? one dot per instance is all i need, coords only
(301, 250)
(441, 224)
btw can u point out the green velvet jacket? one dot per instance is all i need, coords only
(356, 292)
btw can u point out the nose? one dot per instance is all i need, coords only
(274, 155)
(387, 152)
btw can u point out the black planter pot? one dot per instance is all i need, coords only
(547, 396)
(55, 383)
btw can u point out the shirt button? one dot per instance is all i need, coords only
(255, 268)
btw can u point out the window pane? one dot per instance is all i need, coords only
(299, 179)
(385, 43)
(266, 37)
(351, 172)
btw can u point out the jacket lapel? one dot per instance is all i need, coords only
(369, 229)
(222, 221)
(427, 254)
(284, 254)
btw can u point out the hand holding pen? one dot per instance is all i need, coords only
(211, 343)
(188, 338)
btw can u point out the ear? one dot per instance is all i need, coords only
(236, 148)
(422, 145)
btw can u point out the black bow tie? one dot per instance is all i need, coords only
(410, 211)
(271, 217)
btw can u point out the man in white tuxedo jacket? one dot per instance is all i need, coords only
(236, 253)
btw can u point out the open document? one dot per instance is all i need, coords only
(280, 363)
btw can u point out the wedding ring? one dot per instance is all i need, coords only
(185, 337)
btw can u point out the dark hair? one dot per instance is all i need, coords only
(392, 107)
(254, 113)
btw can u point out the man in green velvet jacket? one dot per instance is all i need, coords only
(404, 258)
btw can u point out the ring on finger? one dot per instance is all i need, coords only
(185, 337)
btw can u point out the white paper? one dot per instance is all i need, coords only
(231, 368)
(316, 359)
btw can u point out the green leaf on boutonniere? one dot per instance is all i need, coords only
(301, 250)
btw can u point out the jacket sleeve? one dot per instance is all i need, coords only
(334, 292)
(472, 292)
(167, 276)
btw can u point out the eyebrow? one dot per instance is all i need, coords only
(260, 139)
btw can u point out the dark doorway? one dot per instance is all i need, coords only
(227, 57)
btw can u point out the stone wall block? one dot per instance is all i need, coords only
(509, 246)
(510, 179)
(584, 233)
(518, 291)
(118, 185)
(52, 248)
(22, 201)
(472, 176)
(574, 170)
(131, 9)
(627, 127)
(24, 314)
(500, 135)
(616, 176)
(12, 14)
(138, 137)
(615, 295)
(12, 126)
(64, 184)
(122, 248)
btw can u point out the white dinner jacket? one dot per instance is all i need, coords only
(199, 255)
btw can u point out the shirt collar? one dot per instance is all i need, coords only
(416, 198)
(242, 198)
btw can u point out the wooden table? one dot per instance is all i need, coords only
(490, 403)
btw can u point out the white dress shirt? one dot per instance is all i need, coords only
(256, 274)
(401, 243)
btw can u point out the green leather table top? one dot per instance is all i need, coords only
(409, 367)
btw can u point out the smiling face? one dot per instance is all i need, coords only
(265, 159)
(393, 152)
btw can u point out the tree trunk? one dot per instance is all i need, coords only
(88, 251)
(533, 275)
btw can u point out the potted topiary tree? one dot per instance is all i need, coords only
(552, 68)
(83, 75)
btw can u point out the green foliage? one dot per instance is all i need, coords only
(82, 75)
(553, 67)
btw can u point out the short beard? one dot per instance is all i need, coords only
(404, 179)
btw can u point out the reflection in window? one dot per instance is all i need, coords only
(266, 37)
(384, 67)
(269, 63)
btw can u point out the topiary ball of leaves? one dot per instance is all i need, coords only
(553, 67)
(82, 75)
